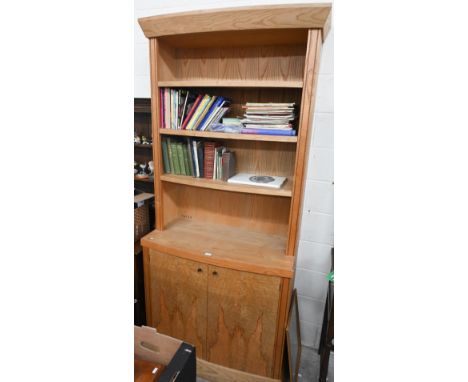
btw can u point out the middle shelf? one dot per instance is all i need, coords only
(285, 191)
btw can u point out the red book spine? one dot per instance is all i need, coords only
(161, 108)
(209, 157)
(194, 107)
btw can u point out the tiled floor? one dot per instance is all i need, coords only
(310, 366)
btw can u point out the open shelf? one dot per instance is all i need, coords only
(231, 83)
(229, 246)
(241, 137)
(285, 191)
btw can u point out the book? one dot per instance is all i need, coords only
(161, 108)
(228, 165)
(188, 171)
(198, 111)
(180, 156)
(209, 159)
(167, 168)
(201, 158)
(167, 108)
(269, 132)
(190, 157)
(175, 158)
(205, 113)
(211, 110)
(195, 159)
(192, 110)
(169, 154)
(184, 109)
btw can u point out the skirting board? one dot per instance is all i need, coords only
(215, 373)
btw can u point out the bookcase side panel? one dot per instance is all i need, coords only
(304, 134)
(157, 156)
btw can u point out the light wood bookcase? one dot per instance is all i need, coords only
(219, 268)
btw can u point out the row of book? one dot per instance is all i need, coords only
(268, 118)
(184, 110)
(197, 158)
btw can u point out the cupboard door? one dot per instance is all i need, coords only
(242, 319)
(179, 298)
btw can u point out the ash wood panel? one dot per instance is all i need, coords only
(239, 38)
(305, 132)
(157, 155)
(179, 298)
(191, 83)
(216, 373)
(272, 64)
(242, 318)
(240, 18)
(229, 247)
(285, 191)
(228, 136)
(258, 213)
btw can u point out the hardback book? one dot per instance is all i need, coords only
(190, 157)
(169, 154)
(201, 158)
(199, 110)
(228, 165)
(195, 158)
(288, 132)
(205, 113)
(209, 158)
(188, 170)
(258, 180)
(191, 112)
(175, 158)
(167, 168)
(180, 156)
(167, 108)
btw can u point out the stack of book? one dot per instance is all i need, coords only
(196, 158)
(268, 118)
(185, 110)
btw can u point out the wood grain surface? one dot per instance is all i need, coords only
(259, 214)
(215, 373)
(240, 18)
(179, 298)
(242, 314)
(230, 247)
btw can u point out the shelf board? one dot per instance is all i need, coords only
(147, 180)
(231, 83)
(229, 246)
(143, 146)
(240, 137)
(285, 191)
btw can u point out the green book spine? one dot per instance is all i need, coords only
(175, 158)
(167, 168)
(180, 155)
(190, 157)
(188, 170)
(169, 154)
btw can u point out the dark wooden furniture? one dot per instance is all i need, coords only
(142, 126)
(327, 336)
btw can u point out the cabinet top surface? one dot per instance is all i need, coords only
(223, 246)
(239, 18)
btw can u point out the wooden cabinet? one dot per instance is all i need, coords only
(229, 315)
(219, 266)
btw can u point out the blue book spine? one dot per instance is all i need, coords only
(213, 107)
(268, 132)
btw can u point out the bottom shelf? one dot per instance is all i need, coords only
(223, 246)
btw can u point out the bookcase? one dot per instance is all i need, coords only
(219, 268)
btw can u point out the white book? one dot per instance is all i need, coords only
(258, 180)
(195, 156)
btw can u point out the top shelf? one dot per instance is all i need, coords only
(230, 83)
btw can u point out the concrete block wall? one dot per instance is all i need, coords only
(316, 236)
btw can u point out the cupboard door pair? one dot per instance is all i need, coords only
(229, 315)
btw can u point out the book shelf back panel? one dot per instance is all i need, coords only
(248, 63)
(256, 213)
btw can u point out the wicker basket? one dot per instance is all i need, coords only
(141, 221)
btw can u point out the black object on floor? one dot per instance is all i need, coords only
(183, 366)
